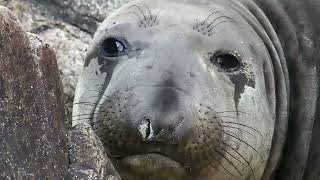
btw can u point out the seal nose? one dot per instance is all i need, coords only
(152, 131)
(145, 128)
(161, 113)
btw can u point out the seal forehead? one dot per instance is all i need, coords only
(147, 14)
(152, 19)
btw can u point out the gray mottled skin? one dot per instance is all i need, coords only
(165, 110)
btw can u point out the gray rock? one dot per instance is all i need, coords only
(33, 142)
(4, 2)
(67, 25)
(88, 160)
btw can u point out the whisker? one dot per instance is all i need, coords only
(144, 16)
(94, 96)
(148, 9)
(232, 111)
(238, 129)
(231, 127)
(93, 90)
(156, 16)
(209, 17)
(136, 14)
(231, 117)
(221, 166)
(217, 19)
(196, 26)
(83, 119)
(79, 115)
(245, 144)
(223, 156)
(240, 141)
(227, 132)
(241, 157)
(234, 158)
(88, 104)
(231, 155)
(234, 123)
(84, 102)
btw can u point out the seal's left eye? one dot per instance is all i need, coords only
(112, 47)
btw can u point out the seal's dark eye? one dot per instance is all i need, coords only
(226, 61)
(112, 47)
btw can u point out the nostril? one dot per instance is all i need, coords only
(148, 126)
(145, 128)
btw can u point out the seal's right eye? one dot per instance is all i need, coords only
(113, 47)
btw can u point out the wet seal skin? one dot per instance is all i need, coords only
(201, 90)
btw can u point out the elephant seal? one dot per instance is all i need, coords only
(210, 89)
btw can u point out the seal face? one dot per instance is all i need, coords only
(180, 95)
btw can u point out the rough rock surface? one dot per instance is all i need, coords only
(67, 25)
(32, 129)
(84, 148)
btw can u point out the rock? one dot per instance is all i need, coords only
(32, 129)
(68, 26)
(70, 46)
(68, 41)
(4, 2)
(88, 160)
(85, 14)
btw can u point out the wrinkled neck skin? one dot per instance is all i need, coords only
(296, 26)
(261, 23)
(166, 98)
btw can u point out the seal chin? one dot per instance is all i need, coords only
(149, 165)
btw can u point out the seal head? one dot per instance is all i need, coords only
(183, 95)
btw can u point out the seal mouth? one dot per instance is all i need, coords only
(159, 156)
(152, 157)
(150, 164)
